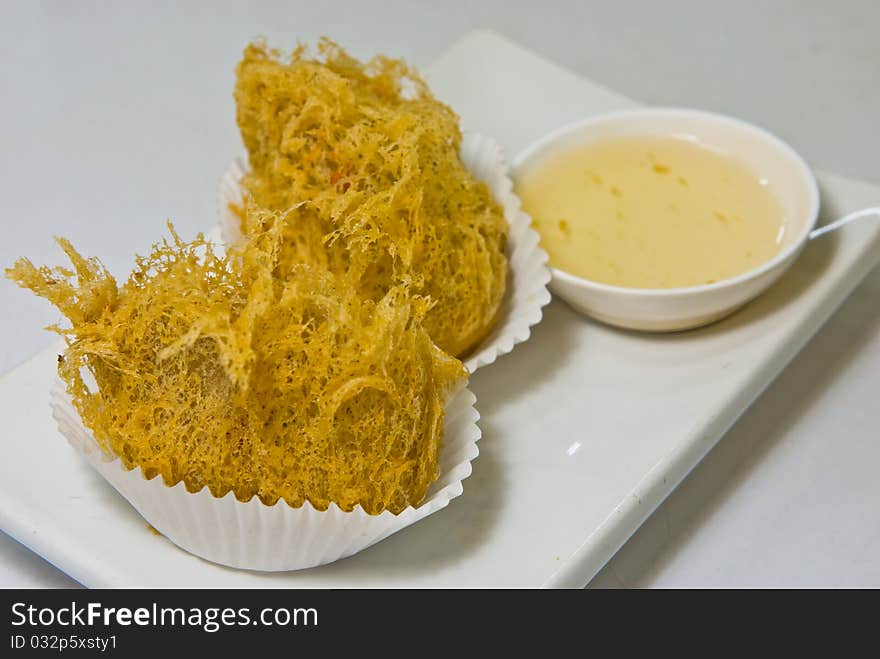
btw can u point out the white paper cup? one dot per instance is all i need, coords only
(528, 274)
(255, 536)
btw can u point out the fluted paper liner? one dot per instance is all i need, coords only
(255, 536)
(528, 274)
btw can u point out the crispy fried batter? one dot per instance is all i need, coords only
(375, 158)
(214, 371)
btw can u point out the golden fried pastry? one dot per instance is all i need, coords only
(213, 371)
(365, 163)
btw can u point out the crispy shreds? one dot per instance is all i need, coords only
(365, 161)
(215, 371)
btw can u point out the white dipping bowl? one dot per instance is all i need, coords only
(668, 309)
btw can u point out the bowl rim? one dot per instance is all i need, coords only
(799, 166)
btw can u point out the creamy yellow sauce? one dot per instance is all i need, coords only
(651, 212)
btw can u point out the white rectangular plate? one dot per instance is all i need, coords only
(585, 429)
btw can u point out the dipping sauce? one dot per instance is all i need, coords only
(651, 212)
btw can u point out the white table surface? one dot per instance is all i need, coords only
(117, 117)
